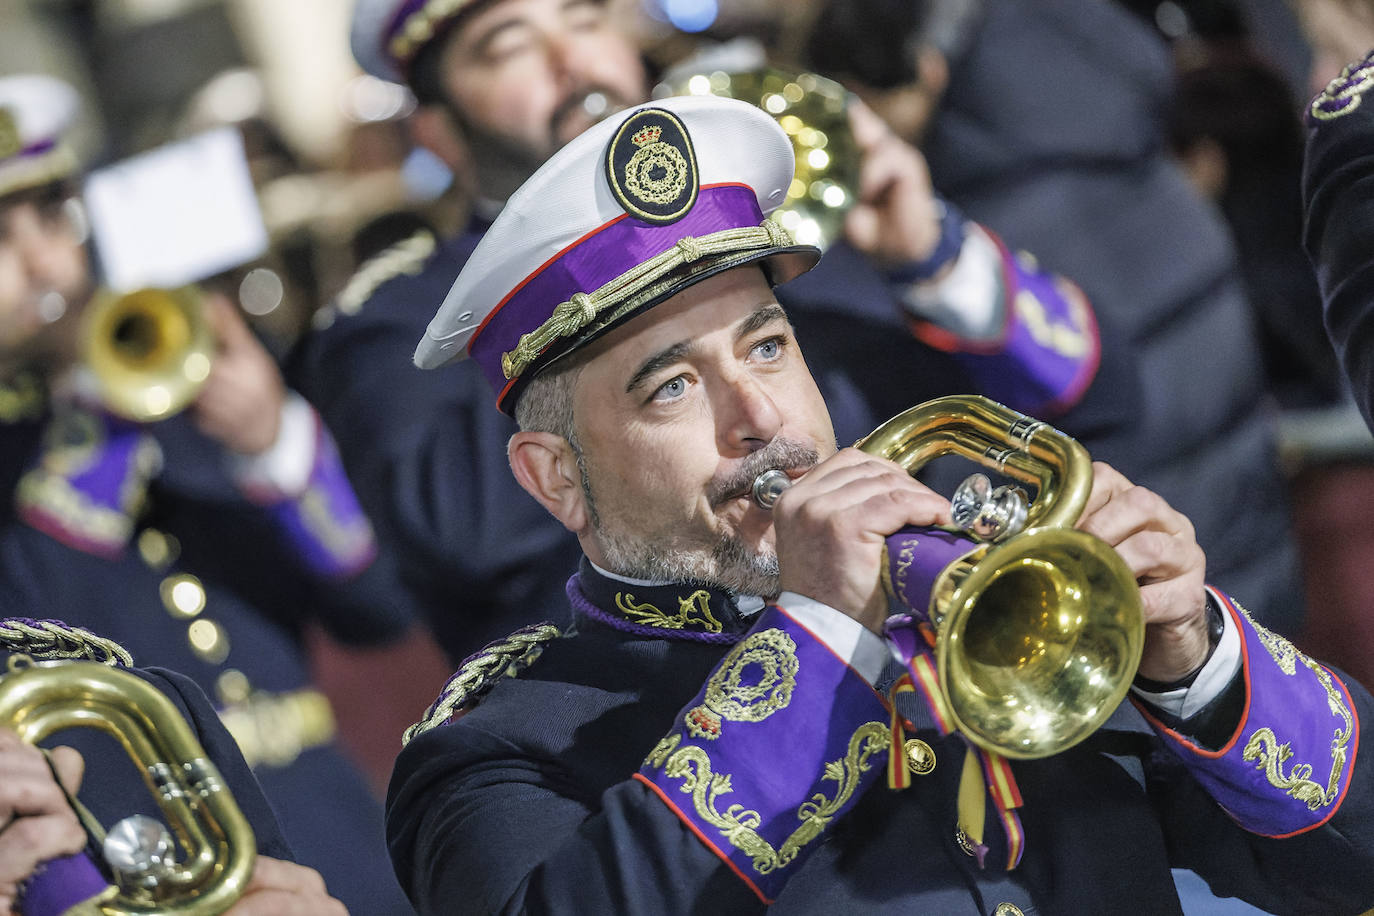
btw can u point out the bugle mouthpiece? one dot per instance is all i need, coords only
(768, 486)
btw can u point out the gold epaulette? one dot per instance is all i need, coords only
(481, 672)
(405, 257)
(53, 639)
(22, 398)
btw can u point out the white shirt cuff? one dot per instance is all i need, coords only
(1225, 662)
(967, 300)
(864, 650)
(286, 464)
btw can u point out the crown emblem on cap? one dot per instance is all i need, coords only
(9, 134)
(652, 168)
(648, 135)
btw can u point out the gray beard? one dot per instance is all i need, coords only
(504, 163)
(728, 563)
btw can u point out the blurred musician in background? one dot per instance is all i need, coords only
(203, 542)
(42, 837)
(914, 302)
(1101, 200)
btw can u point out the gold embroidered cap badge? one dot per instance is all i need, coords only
(652, 168)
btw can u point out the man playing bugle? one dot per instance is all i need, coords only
(732, 722)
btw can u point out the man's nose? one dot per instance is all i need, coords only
(570, 59)
(37, 255)
(751, 418)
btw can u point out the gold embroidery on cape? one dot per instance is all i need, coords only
(1066, 338)
(347, 541)
(1284, 653)
(1343, 94)
(53, 639)
(273, 729)
(21, 398)
(1268, 753)
(496, 660)
(692, 611)
(46, 489)
(739, 824)
(732, 695)
(405, 257)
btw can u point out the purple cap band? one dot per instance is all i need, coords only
(398, 21)
(37, 149)
(59, 885)
(622, 244)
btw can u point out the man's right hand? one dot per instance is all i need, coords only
(280, 888)
(831, 526)
(36, 822)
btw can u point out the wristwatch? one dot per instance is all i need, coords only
(1216, 628)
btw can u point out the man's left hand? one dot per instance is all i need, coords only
(1158, 544)
(896, 220)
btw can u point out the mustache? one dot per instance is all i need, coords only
(597, 101)
(780, 454)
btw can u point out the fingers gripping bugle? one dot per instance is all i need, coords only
(1039, 627)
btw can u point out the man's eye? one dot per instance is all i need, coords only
(671, 390)
(583, 15)
(769, 349)
(511, 41)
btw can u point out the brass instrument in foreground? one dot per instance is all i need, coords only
(150, 350)
(813, 110)
(40, 698)
(1039, 627)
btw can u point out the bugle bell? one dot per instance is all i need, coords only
(1039, 627)
(150, 350)
(813, 110)
(40, 698)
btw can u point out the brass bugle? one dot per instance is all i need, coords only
(1039, 626)
(814, 112)
(38, 699)
(150, 350)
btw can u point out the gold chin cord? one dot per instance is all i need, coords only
(1039, 627)
(150, 350)
(40, 698)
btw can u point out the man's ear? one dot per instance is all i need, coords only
(544, 464)
(432, 127)
(932, 71)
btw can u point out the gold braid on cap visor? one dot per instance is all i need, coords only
(637, 284)
(420, 27)
(24, 173)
